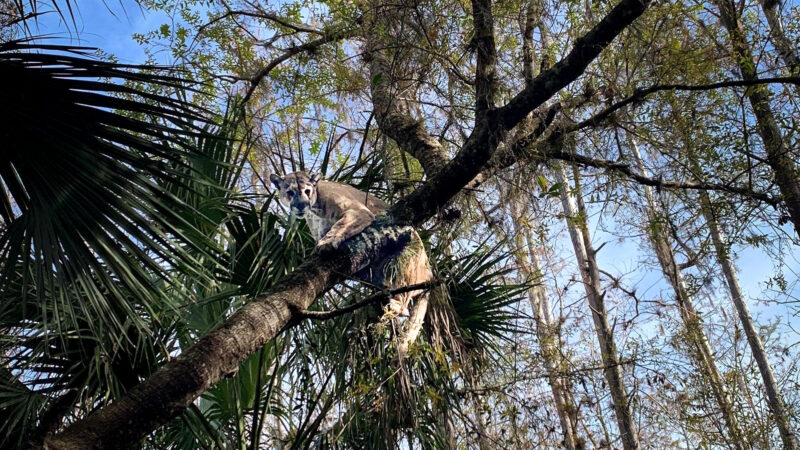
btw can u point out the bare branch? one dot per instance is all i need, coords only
(310, 47)
(626, 170)
(374, 298)
(639, 95)
(298, 27)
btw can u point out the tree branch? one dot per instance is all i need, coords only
(485, 138)
(374, 298)
(483, 42)
(564, 72)
(298, 27)
(175, 386)
(626, 170)
(639, 95)
(409, 134)
(328, 36)
(532, 13)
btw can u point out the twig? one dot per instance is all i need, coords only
(374, 298)
(639, 95)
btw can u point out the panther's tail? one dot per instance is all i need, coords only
(410, 267)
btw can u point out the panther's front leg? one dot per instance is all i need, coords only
(351, 223)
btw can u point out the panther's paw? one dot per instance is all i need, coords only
(327, 245)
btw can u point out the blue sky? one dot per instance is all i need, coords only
(110, 24)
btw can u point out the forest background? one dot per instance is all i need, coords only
(604, 221)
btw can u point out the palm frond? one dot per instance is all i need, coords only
(84, 157)
(480, 297)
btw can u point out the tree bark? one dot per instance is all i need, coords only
(786, 50)
(774, 398)
(693, 323)
(779, 156)
(590, 274)
(172, 388)
(394, 118)
(546, 328)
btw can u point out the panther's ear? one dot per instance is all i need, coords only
(276, 180)
(314, 178)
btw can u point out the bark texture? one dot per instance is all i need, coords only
(779, 156)
(590, 274)
(394, 117)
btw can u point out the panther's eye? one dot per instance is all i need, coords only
(308, 191)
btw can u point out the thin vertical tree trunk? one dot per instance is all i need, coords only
(774, 398)
(528, 262)
(778, 154)
(783, 45)
(701, 349)
(585, 254)
(786, 177)
(480, 422)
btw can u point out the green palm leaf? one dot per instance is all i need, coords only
(84, 156)
(482, 300)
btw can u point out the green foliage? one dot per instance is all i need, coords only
(86, 222)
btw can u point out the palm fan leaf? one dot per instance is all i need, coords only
(481, 299)
(84, 156)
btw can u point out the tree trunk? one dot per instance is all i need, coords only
(786, 50)
(546, 329)
(774, 397)
(786, 176)
(693, 323)
(590, 274)
(779, 157)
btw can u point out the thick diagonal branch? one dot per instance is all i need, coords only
(173, 388)
(574, 64)
(170, 390)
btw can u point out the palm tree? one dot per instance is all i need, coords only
(143, 245)
(91, 229)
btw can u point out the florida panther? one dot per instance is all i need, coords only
(336, 212)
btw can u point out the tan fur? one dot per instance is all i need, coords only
(336, 212)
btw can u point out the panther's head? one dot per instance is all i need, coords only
(296, 190)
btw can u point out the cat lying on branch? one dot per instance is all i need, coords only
(336, 212)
